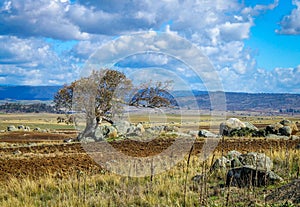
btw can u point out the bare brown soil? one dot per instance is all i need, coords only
(52, 156)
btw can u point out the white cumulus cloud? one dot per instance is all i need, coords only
(290, 24)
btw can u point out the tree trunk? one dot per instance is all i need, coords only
(90, 129)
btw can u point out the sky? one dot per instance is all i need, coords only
(253, 45)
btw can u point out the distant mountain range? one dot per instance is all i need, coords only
(15, 93)
(234, 101)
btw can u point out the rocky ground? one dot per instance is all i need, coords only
(21, 155)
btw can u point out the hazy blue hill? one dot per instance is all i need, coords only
(267, 102)
(42, 93)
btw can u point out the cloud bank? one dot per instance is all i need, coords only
(47, 41)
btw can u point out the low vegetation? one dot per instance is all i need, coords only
(167, 189)
(75, 181)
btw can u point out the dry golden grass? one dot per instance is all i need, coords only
(166, 189)
(41, 120)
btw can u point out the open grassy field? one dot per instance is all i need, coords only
(39, 169)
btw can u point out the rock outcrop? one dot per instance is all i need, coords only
(282, 128)
(250, 176)
(246, 169)
(235, 127)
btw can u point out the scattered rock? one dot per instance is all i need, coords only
(150, 131)
(274, 128)
(285, 131)
(235, 127)
(11, 128)
(111, 132)
(207, 134)
(87, 139)
(122, 127)
(229, 125)
(233, 154)
(292, 125)
(158, 129)
(99, 133)
(132, 131)
(17, 152)
(286, 122)
(21, 127)
(140, 128)
(37, 129)
(283, 128)
(68, 140)
(246, 169)
(220, 164)
(250, 126)
(256, 160)
(250, 176)
(259, 133)
(170, 128)
(294, 137)
(225, 162)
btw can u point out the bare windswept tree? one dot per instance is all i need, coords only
(104, 93)
(97, 97)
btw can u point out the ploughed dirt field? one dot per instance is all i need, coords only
(32, 154)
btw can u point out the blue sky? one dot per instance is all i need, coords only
(254, 45)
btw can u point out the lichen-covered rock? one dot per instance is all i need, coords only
(283, 128)
(99, 133)
(122, 127)
(220, 164)
(231, 124)
(273, 128)
(250, 176)
(256, 160)
(233, 154)
(251, 126)
(285, 131)
(111, 132)
(293, 127)
(140, 128)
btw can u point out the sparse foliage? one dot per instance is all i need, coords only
(103, 94)
(154, 96)
(100, 96)
(63, 98)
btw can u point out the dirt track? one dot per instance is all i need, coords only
(61, 159)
